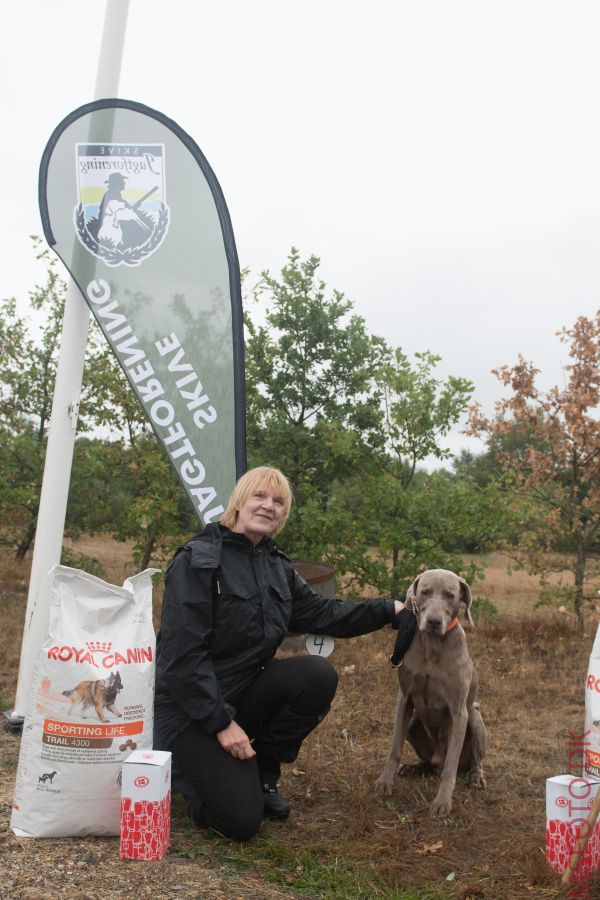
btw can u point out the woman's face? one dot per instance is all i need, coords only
(261, 514)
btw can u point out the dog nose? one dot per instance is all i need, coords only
(434, 622)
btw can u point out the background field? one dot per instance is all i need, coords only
(341, 841)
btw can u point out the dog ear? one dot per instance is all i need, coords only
(412, 591)
(465, 594)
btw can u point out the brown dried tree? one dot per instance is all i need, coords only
(557, 466)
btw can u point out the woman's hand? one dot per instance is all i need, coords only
(399, 606)
(234, 740)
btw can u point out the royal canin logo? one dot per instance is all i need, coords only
(593, 684)
(85, 655)
(142, 781)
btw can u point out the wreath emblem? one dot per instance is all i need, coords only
(110, 253)
(121, 215)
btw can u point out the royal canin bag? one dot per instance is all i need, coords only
(591, 765)
(90, 705)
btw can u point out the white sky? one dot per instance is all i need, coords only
(440, 156)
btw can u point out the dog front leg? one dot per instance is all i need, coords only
(478, 747)
(442, 804)
(404, 710)
(100, 712)
(114, 710)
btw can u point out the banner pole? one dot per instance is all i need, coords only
(65, 404)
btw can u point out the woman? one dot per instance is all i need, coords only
(227, 709)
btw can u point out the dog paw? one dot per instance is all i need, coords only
(477, 779)
(383, 787)
(440, 808)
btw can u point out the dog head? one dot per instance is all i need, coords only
(115, 682)
(436, 596)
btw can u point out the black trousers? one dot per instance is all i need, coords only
(288, 698)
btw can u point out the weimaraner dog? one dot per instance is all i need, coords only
(436, 708)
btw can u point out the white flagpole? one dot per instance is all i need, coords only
(65, 404)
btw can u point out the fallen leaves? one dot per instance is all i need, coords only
(431, 848)
(292, 876)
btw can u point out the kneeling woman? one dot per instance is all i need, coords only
(227, 709)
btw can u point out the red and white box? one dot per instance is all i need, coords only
(568, 801)
(145, 805)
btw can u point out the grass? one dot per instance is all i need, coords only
(316, 871)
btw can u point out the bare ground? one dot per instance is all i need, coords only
(531, 668)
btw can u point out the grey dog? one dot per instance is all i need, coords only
(436, 707)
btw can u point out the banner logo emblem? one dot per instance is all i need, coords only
(122, 217)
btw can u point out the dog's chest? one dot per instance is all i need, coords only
(425, 678)
(428, 694)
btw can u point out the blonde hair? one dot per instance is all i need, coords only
(255, 480)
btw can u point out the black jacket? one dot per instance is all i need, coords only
(227, 607)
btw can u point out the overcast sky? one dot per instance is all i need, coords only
(441, 157)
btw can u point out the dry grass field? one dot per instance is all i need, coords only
(341, 841)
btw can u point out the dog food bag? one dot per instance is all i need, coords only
(568, 802)
(146, 805)
(591, 756)
(90, 706)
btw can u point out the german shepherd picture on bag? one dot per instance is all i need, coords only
(100, 694)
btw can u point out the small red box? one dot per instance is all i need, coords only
(146, 805)
(568, 801)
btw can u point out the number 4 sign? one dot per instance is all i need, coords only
(319, 644)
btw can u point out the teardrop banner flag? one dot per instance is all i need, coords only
(135, 212)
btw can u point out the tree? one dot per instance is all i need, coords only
(313, 406)
(557, 463)
(348, 420)
(27, 373)
(124, 485)
(420, 410)
(156, 511)
(430, 525)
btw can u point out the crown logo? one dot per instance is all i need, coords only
(99, 646)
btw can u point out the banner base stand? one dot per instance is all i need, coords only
(13, 722)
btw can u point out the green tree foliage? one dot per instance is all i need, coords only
(391, 533)
(108, 489)
(122, 483)
(154, 511)
(349, 420)
(27, 373)
(420, 410)
(313, 405)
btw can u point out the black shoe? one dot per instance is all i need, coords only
(276, 807)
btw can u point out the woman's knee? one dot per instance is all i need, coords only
(319, 680)
(237, 825)
(323, 672)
